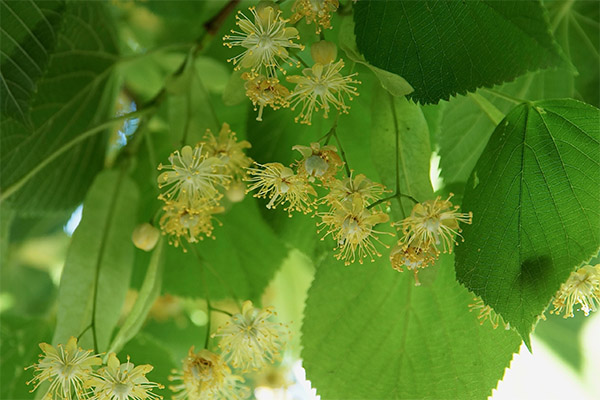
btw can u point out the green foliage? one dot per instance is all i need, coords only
(211, 265)
(445, 48)
(525, 166)
(401, 143)
(398, 341)
(99, 262)
(532, 193)
(51, 95)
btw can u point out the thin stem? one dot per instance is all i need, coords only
(221, 311)
(394, 196)
(87, 328)
(206, 264)
(506, 96)
(209, 317)
(68, 146)
(188, 115)
(397, 162)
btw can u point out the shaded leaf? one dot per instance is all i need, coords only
(73, 93)
(534, 194)
(447, 47)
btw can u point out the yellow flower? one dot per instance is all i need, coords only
(351, 226)
(233, 388)
(193, 178)
(66, 368)
(583, 288)
(318, 162)
(317, 11)
(263, 91)
(145, 236)
(125, 381)
(434, 222)
(413, 257)
(249, 341)
(320, 86)
(204, 376)
(281, 185)
(342, 191)
(228, 149)
(179, 222)
(266, 41)
(487, 313)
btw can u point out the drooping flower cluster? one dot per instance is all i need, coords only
(249, 341)
(429, 230)
(267, 40)
(322, 86)
(204, 376)
(196, 180)
(349, 219)
(583, 288)
(70, 372)
(487, 313)
(315, 11)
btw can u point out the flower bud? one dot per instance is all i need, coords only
(145, 236)
(236, 192)
(323, 52)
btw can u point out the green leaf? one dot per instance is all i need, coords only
(20, 338)
(240, 262)
(27, 39)
(468, 121)
(534, 197)
(147, 295)
(447, 47)
(400, 142)
(393, 83)
(369, 333)
(563, 336)
(100, 255)
(69, 91)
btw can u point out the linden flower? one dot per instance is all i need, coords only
(125, 381)
(266, 41)
(193, 178)
(435, 222)
(228, 149)
(320, 162)
(317, 11)
(281, 185)
(487, 313)
(412, 257)
(66, 368)
(249, 340)
(320, 86)
(203, 377)
(342, 191)
(263, 91)
(583, 288)
(192, 225)
(351, 226)
(233, 388)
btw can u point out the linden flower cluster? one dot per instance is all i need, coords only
(196, 180)
(69, 370)
(428, 230)
(583, 288)
(266, 40)
(248, 341)
(349, 220)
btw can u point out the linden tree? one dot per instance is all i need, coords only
(210, 199)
